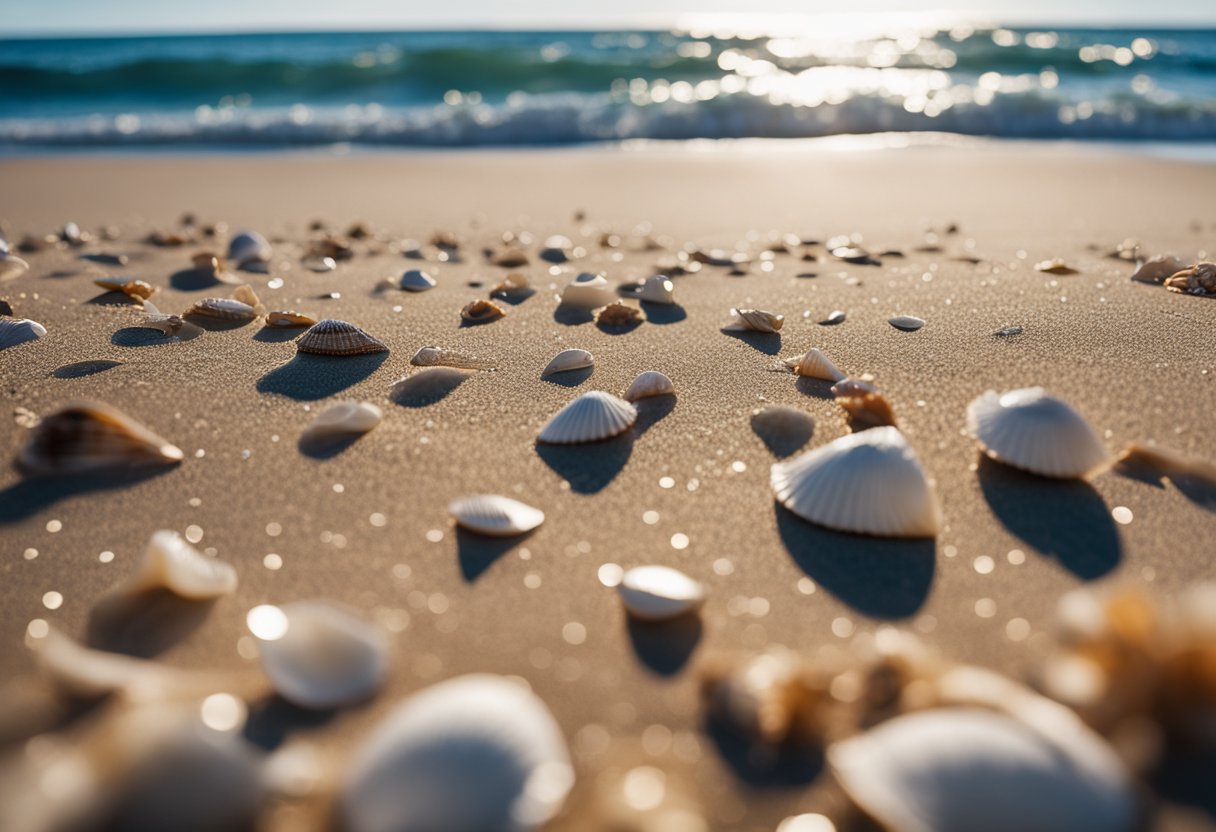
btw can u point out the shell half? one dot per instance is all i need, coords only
(907, 323)
(249, 247)
(649, 383)
(440, 357)
(282, 319)
(416, 280)
(343, 418)
(591, 417)
(494, 515)
(171, 563)
(14, 332)
(330, 337)
(587, 290)
(1157, 269)
(89, 436)
(658, 593)
(1037, 432)
(566, 360)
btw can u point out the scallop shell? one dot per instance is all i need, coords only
(566, 360)
(587, 290)
(814, 365)
(343, 418)
(657, 593)
(1199, 279)
(171, 563)
(18, 331)
(617, 314)
(864, 404)
(482, 312)
(439, 357)
(1056, 265)
(869, 483)
(1034, 431)
(754, 320)
(281, 319)
(964, 769)
(477, 752)
(649, 383)
(129, 286)
(416, 280)
(249, 247)
(88, 436)
(589, 418)
(658, 289)
(330, 337)
(320, 655)
(907, 323)
(1157, 269)
(496, 516)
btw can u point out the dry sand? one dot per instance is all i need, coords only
(1139, 362)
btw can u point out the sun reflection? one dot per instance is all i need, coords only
(267, 622)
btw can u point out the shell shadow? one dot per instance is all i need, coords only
(273, 719)
(327, 447)
(193, 280)
(768, 343)
(144, 624)
(591, 466)
(113, 298)
(104, 259)
(85, 368)
(428, 386)
(764, 766)
(664, 647)
(816, 388)
(880, 577)
(570, 378)
(618, 329)
(514, 297)
(29, 496)
(144, 336)
(652, 410)
(217, 324)
(663, 313)
(1185, 777)
(784, 440)
(308, 377)
(477, 552)
(1063, 519)
(1197, 487)
(572, 314)
(278, 334)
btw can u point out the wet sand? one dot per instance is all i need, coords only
(1136, 360)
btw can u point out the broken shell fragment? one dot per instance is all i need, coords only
(566, 360)
(617, 314)
(1199, 279)
(482, 312)
(1056, 265)
(332, 337)
(907, 323)
(283, 319)
(416, 280)
(249, 248)
(657, 593)
(591, 417)
(18, 331)
(865, 405)
(868, 483)
(588, 290)
(88, 436)
(658, 289)
(343, 418)
(129, 286)
(494, 515)
(174, 326)
(440, 357)
(814, 364)
(1157, 269)
(169, 562)
(649, 383)
(754, 320)
(1037, 432)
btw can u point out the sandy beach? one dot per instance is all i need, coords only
(689, 487)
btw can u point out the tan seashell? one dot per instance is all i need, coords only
(658, 289)
(242, 306)
(658, 593)
(587, 290)
(767, 695)
(509, 257)
(567, 360)
(754, 320)
(1056, 265)
(1157, 269)
(18, 331)
(129, 286)
(649, 383)
(87, 436)
(865, 405)
(332, 337)
(215, 265)
(1199, 279)
(591, 417)
(814, 364)
(11, 266)
(440, 357)
(617, 314)
(287, 320)
(495, 516)
(907, 323)
(343, 418)
(1172, 464)
(1037, 432)
(416, 280)
(482, 312)
(169, 562)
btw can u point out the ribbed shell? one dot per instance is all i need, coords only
(11, 266)
(494, 515)
(87, 436)
(869, 483)
(649, 383)
(658, 289)
(14, 332)
(249, 247)
(657, 593)
(416, 280)
(1035, 431)
(755, 320)
(589, 418)
(815, 365)
(171, 563)
(330, 337)
(566, 360)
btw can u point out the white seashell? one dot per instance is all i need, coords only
(965, 769)
(439, 357)
(330, 337)
(658, 289)
(320, 656)
(814, 365)
(754, 320)
(869, 482)
(566, 360)
(11, 266)
(87, 673)
(88, 436)
(1056, 265)
(589, 418)
(908, 323)
(657, 593)
(14, 332)
(1037, 432)
(343, 418)
(496, 516)
(649, 383)
(557, 249)
(416, 280)
(477, 752)
(249, 247)
(171, 563)
(587, 290)
(1158, 269)
(320, 264)
(835, 317)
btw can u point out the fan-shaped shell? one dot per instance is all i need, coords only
(869, 483)
(416, 280)
(249, 247)
(587, 290)
(321, 655)
(440, 357)
(87, 436)
(288, 319)
(649, 383)
(169, 562)
(1157, 269)
(1037, 432)
(964, 769)
(658, 289)
(344, 418)
(657, 593)
(755, 320)
(907, 323)
(14, 332)
(566, 360)
(589, 418)
(473, 753)
(814, 364)
(330, 337)
(494, 515)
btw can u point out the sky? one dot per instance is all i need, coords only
(23, 17)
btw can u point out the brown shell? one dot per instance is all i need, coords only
(88, 436)
(330, 337)
(482, 311)
(1199, 279)
(618, 314)
(864, 405)
(288, 319)
(129, 286)
(335, 247)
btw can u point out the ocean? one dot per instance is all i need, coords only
(483, 88)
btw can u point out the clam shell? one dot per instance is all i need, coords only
(288, 319)
(814, 365)
(963, 769)
(11, 266)
(514, 284)
(129, 286)
(657, 593)
(321, 656)
(566, 360)
(18, 331)
(589, 418)
(477, 752)
(658, 289)
(835, 317)
(557, 249)
(249, 247)
(869, 483)
(88, 436)
(482, 311)
(1157, 269)
(496, 516)
(343, 418)
(1035, 431)
(439, 357)
(649, 383)
(865, 405)
(330, 337)
(587, 290)
(754, 320)
(169, 562)
(907, 323)
(416, 280)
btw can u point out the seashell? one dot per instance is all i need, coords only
(834, 317)
(87, 673)
(865, 405)
(617, 314)
(512, 285)
(557, 249)
(242, 306)
(566, 360)
(87, 436)
(287, 320)
(1176, 466)
(587, 290)
(657, 593)
(439, 357)
(329, 248)
(496, 516)
(509, 257)
(1009, 331)
(169, 562)
(72, 235)
(965, 769)
(482, 312)
(343, 418)
(11, 266)
(855, 255)
(1056, 265)
(591, 417)
(649, 383)
(6, 308)
(129, 286)
(18, 331)
(318, 655)
(658, 289)
(869, 483)
(1157, 269)
(766, 695)
(477, 752)
(1034, 431)
(330, 337)
(754, 320)
(782, 429)
(319, 265)
(172, 325)
(248, 248)
(445, 240)
(168, 239)
(416, 280)
(907, 323)
(1199, 279)
(814, 365)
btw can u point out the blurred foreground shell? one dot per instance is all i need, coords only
(1199, 279)
(1157, 269)
(511, 286)
(440, 357)
(658, 289)
(767, 696)
(587, 290)
(591, 417)
(129, 286)
(416, 280)
(171, 563)
(280, 319)
(331, 337)
(869, 483)
(481, 311)
(494, 515)
(649, 383)
(88, 436)
(814, 364)
(343, 418)
(87, 673)
(477, 752)
(11, 266)
(566, 360)
(18, 331)
(249, 248)
(1056, 265)
(1037, 432)
(657, 593)
(754, 320)
(865, 405)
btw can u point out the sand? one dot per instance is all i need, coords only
(368, 527)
